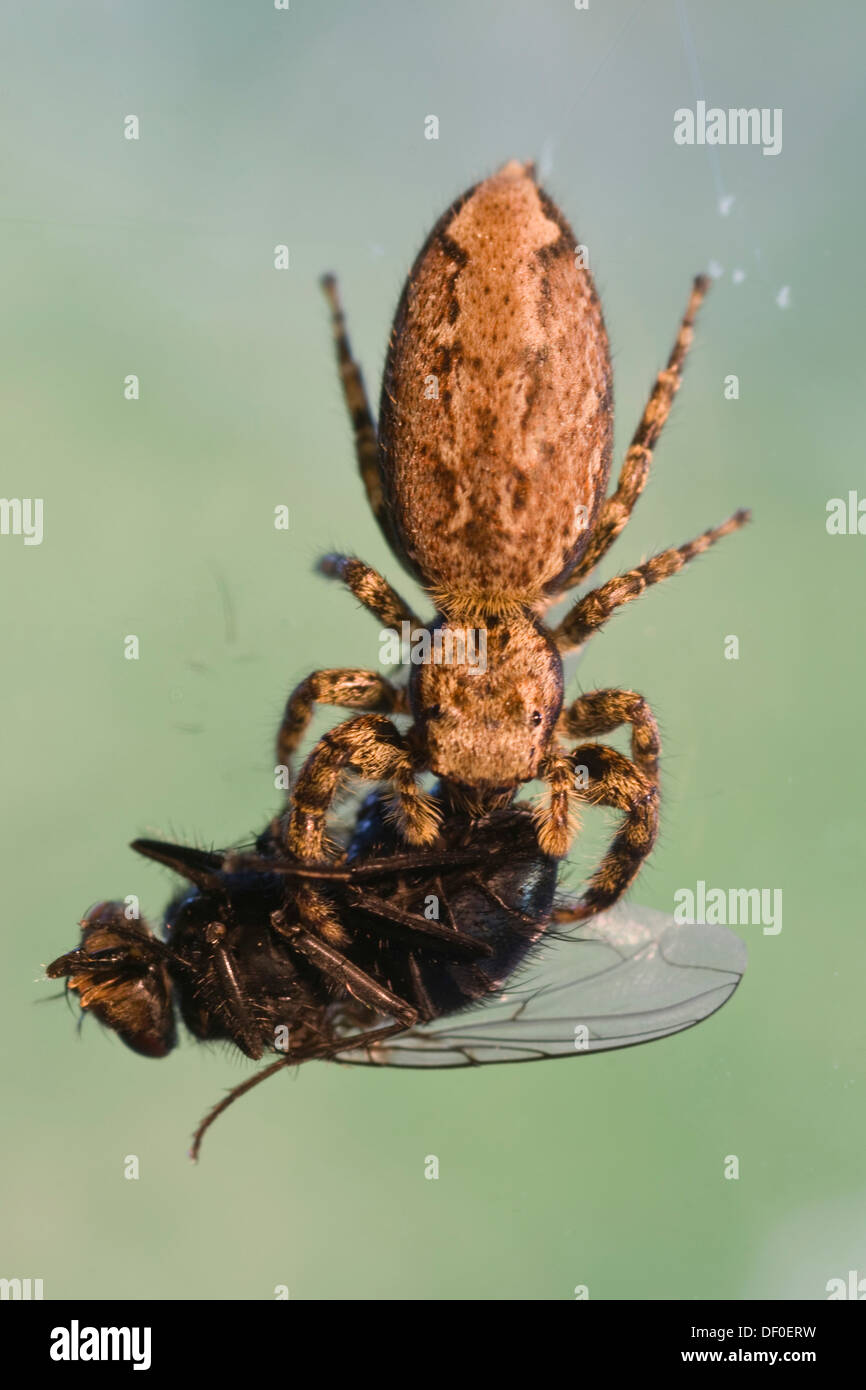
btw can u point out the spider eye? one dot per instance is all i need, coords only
(434, 711)
(536, 717)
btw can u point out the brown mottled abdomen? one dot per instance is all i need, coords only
(496, 420)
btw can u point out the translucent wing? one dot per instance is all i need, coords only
(628, 977)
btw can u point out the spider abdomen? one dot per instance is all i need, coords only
(495, 430)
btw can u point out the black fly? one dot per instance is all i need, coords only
(451, 957)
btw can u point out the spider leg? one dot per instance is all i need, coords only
(374, 749)
(613, 780)
(555, 816)
(350, 689)
(370, 589)
(617, 508)
(602, 711)
(594, 609)
(358, 406)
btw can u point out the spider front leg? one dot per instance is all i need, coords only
(611, 779)
(594, 609)
(555, 816)
(617, 508)
(349, 689)
(374, 749)
(603, 711)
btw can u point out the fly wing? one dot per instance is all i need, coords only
(630, 976)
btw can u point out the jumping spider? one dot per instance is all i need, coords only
(488, 479)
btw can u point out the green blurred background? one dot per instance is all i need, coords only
(155, 257)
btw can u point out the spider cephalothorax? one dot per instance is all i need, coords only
(488, 479)
(489, 729)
